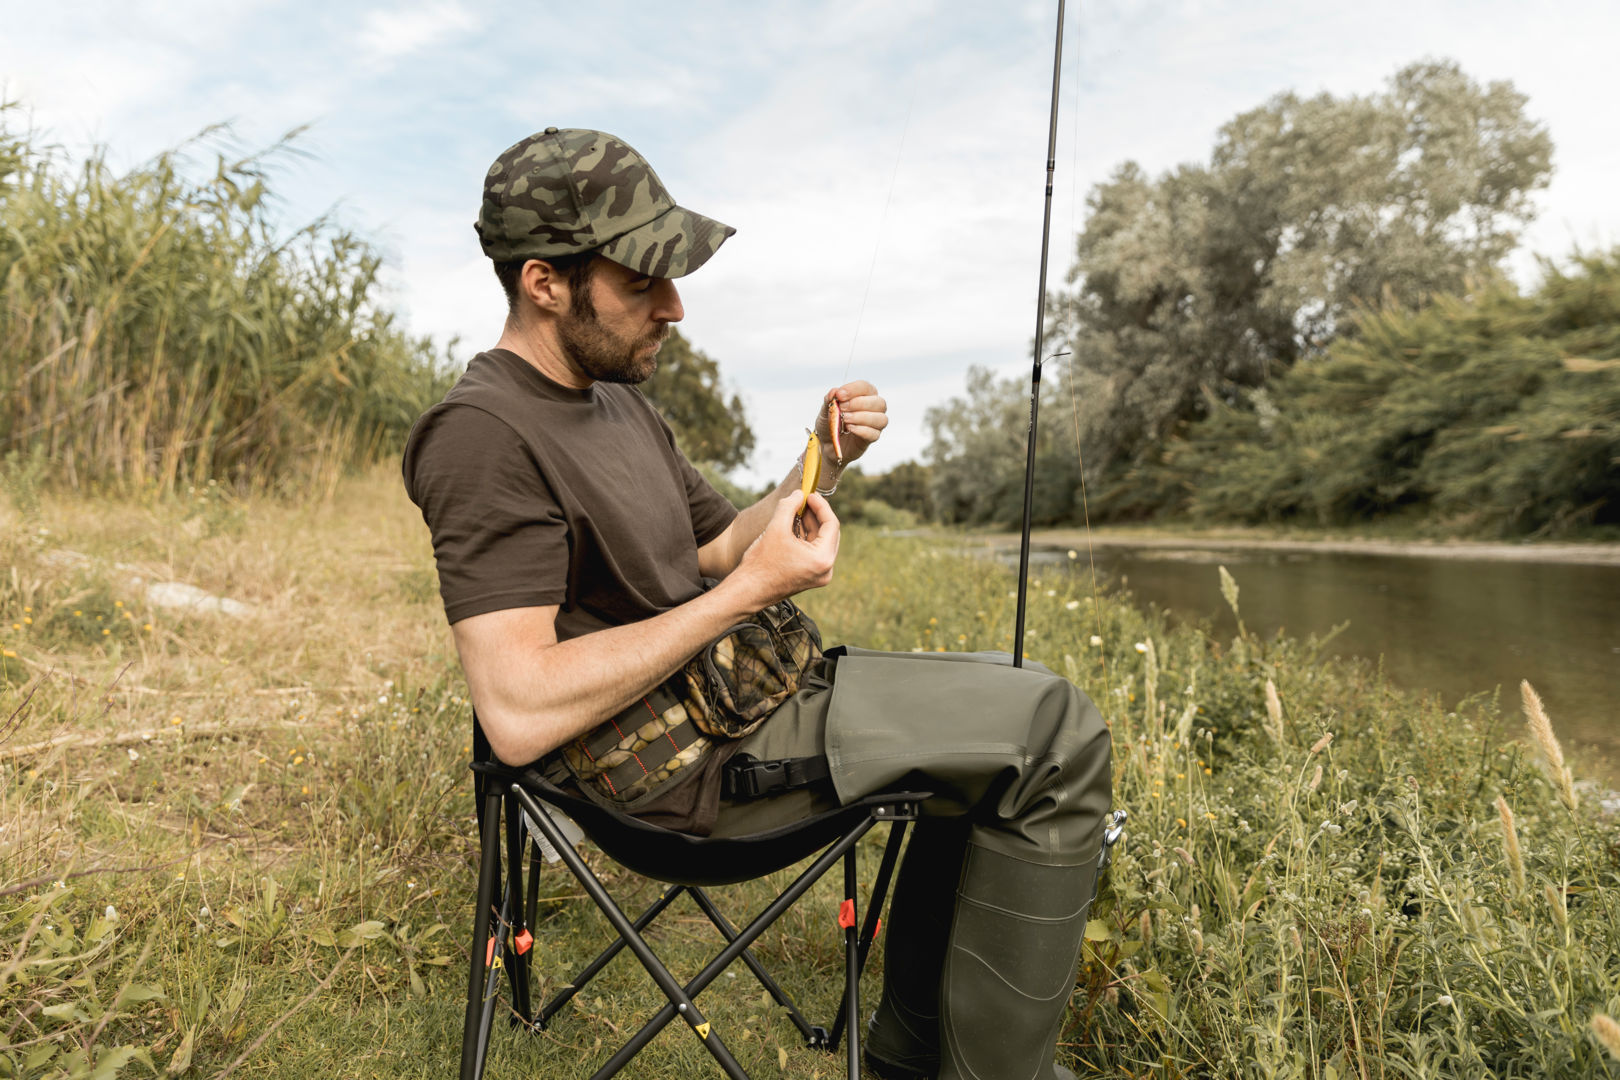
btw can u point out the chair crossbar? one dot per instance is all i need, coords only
(507, 908)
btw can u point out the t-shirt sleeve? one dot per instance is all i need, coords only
(499, 537)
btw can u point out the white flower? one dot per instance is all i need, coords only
(204, 913)
(1444, 999)
(1141, 646)
(111, 914)
(1073, 554)
(134, 755)
(1051, 592)
(1095, 640)
(1071, 605)
(382, 699)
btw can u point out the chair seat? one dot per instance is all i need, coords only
(683, 859)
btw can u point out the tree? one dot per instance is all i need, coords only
(1200, 286)
(687, 390)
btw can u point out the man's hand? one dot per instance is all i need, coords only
(779, 563)
(864, 415)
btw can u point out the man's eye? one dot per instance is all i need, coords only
(644, 286)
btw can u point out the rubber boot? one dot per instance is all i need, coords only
(902, 1037)
(1014, 946)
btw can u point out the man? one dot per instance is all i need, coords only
(573, 542)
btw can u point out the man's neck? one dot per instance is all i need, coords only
(540, 349)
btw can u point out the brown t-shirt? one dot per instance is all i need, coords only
(540, 494)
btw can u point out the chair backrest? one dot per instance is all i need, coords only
(675, 857)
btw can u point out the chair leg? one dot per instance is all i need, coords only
(577, 983)
(852, 966)
(680, 1000)
(745, 938)
(480, 1002)
(869, 928)
(517, 940)
(721, 923)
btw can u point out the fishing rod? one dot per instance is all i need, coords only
(1040, 334)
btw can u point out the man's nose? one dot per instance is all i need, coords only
(667, 306)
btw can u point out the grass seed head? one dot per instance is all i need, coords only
(1274, 715)
(1541, 728)
(1510, 843)
(1608, 1033)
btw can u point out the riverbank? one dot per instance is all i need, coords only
(241, 840)
(1214, 540)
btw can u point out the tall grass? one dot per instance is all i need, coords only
(156, 331)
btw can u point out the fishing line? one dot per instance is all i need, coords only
(1074, 355)
(877, 240)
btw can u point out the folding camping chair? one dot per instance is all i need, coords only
(502, 939)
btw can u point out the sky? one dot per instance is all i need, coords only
(883, 162)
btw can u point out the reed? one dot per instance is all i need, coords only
(159, 331)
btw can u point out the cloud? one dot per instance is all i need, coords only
(388, 34)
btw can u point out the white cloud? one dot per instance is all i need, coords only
(390, 33)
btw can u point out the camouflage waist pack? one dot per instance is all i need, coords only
(724, 692)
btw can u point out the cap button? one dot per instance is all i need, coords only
(551, 131)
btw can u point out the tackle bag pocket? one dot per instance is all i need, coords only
(756, 666)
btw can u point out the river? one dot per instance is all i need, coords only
(1451, 625)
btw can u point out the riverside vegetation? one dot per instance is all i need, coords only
(244, 845)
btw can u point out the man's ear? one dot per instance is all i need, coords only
(544, 286)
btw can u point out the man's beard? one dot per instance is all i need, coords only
(604, 356)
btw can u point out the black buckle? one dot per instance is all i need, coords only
(751, 779)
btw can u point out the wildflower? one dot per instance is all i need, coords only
(1073, 554)
(1071, 605)
(78, 612)
(1541, 728)
(1316, 780)
(1209, 772)
(10, 653)
(1510, 843)
(932, 621)
(410, 884)
(118, 603)
(1181, 823)
(1608, 1033)
(382, 699)
(175, 720)
(204, 914)
(1095, 640)
(16, 626)
(28, 611)
(1322, 744)
(306, 789)
(27, 621)
(1186, 856)
(134, 755)
(961, 639)
(105, 632)
(1147, 927)
(1444, 999)
(1051, 592)
(1141, 646)
(111, 914)
(299, 760)
(147, 627)
(1197, 936)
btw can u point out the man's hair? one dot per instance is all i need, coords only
(575, 268)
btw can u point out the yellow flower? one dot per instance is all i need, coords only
(1209, 814)
(1182, 822)
(16, 626)
(933, 621)
(299, 760)
(174, 720)
(147, 628)
(28, 611)
(77, 612)
(306, 789)
(1181, 776)
(9, 652)
(1209, 772)
(105, 632)
(27, 621)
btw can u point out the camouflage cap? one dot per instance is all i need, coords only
(573, 190)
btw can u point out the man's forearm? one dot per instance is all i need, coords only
(548, 694)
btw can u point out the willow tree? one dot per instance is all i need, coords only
(1196, 287)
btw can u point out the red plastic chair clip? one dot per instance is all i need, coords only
(525, 941)
(846, 914)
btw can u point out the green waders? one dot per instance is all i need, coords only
(990, 904)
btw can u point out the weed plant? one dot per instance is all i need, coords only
(160, 332)
(244, 846)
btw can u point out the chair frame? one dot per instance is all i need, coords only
(502, 939)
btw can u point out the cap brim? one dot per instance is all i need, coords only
(671, 245)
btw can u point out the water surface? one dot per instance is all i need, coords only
(1448, 625)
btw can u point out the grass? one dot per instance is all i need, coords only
(242, 846)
